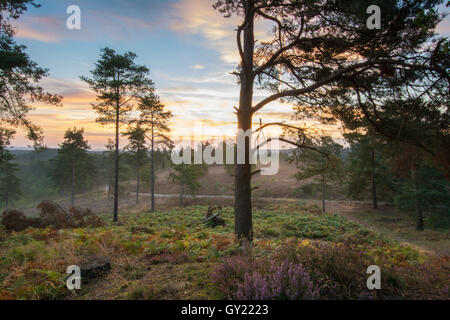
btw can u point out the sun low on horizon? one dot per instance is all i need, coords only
(187, 45)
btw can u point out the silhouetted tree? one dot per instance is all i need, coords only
(422, 186)
(118, 82)
(138, 150)
(318, 48)
(73, 162)
(109, 156)
(155, 119)
(325, 165)
(366, 169)
(19, 75)
(9, 182)
(186, 176)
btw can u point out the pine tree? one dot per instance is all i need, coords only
(138, 149)
(325, 166)
(155, 119)
(9, 182)
(366, 168)
(73, 162)
(118, 82)
(186, 176)
(320, 51)
(19, 75)
(108, 157)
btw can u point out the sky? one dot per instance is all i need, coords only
(188, 46)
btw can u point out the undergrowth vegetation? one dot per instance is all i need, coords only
(298, 253)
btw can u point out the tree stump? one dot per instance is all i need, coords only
(212, 219)
(94, 267)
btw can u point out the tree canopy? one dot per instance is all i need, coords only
(19, 77)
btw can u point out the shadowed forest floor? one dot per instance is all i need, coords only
(170, 254)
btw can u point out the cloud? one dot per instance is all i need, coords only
(44, 29)
(74, 92)
(196, 17)
(444, 26)
(96, 25)
(197, 67)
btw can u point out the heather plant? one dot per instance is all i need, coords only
(228, 275)
(254, 278)
(339, 269)
(286, 281)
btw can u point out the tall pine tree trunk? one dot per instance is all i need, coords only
(243, 196)
(153, 169)
(116, 177)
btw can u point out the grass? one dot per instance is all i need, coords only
(401, 227)
(163, 255)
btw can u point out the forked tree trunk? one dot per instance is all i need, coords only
(243, 196)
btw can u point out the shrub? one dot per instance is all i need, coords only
(316, 269)
(81, 218)
(14, 220)
(229, 274)
(245, 278)
(51, 215)
(287, 281)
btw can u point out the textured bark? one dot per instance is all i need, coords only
(116, 177)
(243, 196)
(153, 169)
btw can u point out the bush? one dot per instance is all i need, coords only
(15, 220)
(324, 270)
(81, 218)
(287, 281)
(51, 215)
(243, 278)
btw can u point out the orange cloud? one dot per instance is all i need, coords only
(39, 28)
